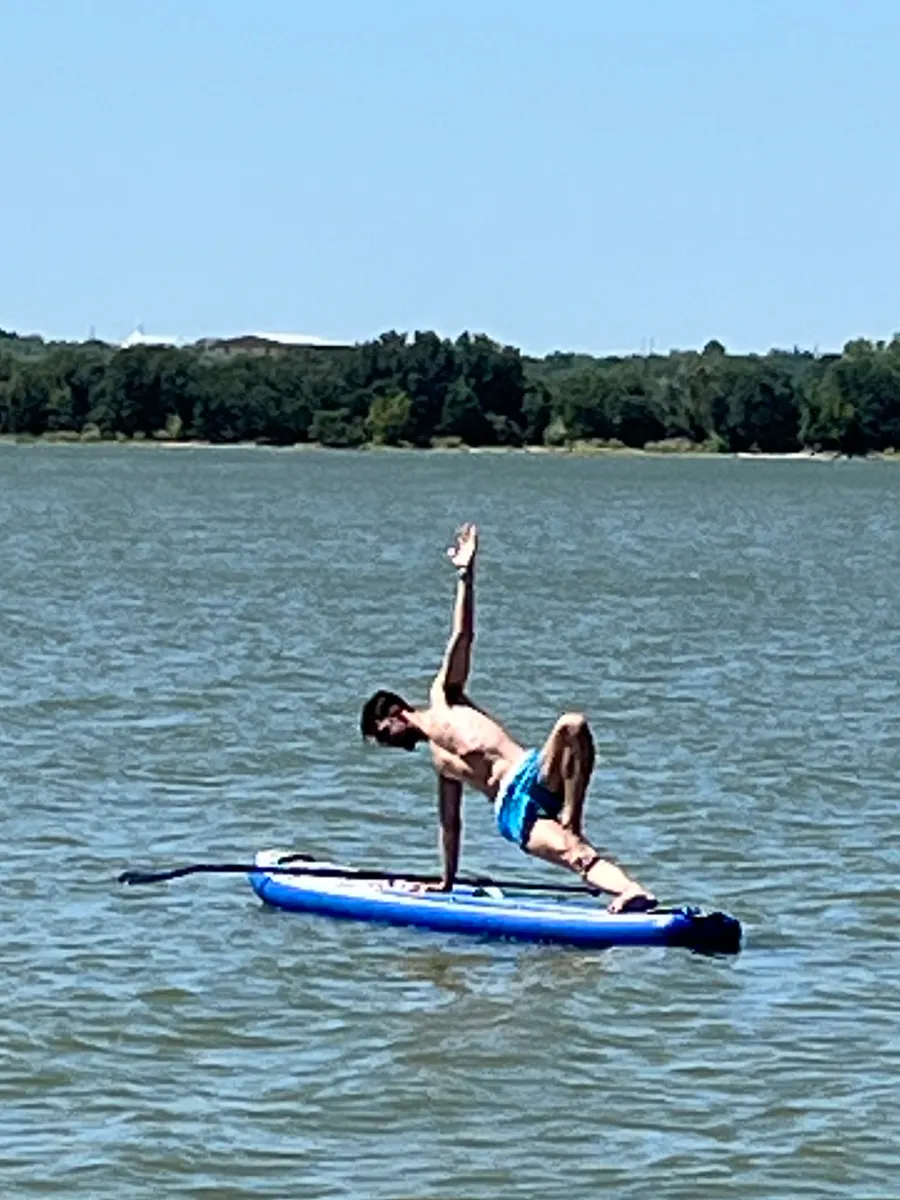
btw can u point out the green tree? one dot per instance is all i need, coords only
(826, 416)
(430, 369)
(463, 417)
(496, 376)
(390, 419)
(27, 399)
(756, 407)
(537, 411)
(584, 402)
(340, 429)
(631, 405)
(856, 405)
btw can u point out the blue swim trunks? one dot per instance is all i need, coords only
(524, 799)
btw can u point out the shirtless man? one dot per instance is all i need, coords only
(538, 796)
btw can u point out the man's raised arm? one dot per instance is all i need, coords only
(451, 679)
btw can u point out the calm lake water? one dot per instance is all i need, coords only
(185, 640)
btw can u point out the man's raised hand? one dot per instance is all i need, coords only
(462, 553)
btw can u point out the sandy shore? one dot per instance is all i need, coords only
(576, 450)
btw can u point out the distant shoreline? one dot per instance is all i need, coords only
(468, 392)
(674, 449)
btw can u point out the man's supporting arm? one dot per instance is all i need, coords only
(450, 810)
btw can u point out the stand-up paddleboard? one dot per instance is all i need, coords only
(484, 912)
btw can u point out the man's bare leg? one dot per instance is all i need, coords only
(567, 760)
(554, 843)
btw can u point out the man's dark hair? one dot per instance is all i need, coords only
(376, 708)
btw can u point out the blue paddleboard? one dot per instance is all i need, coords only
(485, 912)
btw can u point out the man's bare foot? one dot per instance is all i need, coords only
(635, 899)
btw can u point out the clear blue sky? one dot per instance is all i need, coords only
(560, 174)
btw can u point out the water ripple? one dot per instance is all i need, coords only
(185, 643)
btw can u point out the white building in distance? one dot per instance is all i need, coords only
(244, 343)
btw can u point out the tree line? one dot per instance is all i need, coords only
(422, 390)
